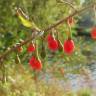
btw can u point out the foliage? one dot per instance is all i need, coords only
(16, 76)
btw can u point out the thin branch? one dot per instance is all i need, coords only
(38, 34)
(68, 3)
(64, 19)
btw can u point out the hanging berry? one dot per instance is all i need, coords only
(70, 21)
(52, 43)
(31, 48)
(69, 46)
(49, 37)
(93, 33)
(20, 49)
(35, 63)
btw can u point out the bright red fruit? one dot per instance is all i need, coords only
(35, 63)
(69, 46)
(31, 48)
(49, 37)
(93, 33)
(52, 43)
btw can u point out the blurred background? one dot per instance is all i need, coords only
(62, 75)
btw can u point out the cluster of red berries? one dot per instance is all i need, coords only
(31, 48)
(68, 45)
(34, 62)
(54, 45)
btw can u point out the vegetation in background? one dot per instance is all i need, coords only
(17, 76)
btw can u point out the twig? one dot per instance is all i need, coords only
(64, 19)
(68, 3)
(37, 34)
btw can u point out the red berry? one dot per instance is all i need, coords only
(35, 63)
(31, 48)
(52, 43)
(49, 37)
(20, 49)
(69, 46)
(93, 33)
